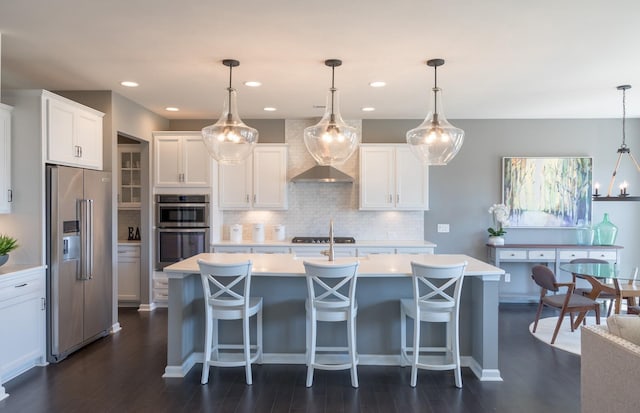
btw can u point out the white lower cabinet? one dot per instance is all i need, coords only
(160, 289)
(22, 322)
(128, 273)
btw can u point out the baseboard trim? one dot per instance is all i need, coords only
(482, 374)
(182, 370)
(147, 307)
(364, 359)
(115, 328)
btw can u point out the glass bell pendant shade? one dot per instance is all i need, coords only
(331, 141)
(229, 140)
(435, 141)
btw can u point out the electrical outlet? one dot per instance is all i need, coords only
(443, 227)
(507, 277)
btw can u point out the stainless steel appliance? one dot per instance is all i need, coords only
(182, 227)
(323, 240)
(79, 259)
(182, 211)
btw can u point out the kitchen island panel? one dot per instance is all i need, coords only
(383, 281)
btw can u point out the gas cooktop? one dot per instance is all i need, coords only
(323, 240)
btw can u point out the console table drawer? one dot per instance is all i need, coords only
(512, 254)
(603, 255)
(572, 255)
(542, 254)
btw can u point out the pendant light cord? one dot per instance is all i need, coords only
(229, 89)
(435, 91)
(624, 116)
(333, 89)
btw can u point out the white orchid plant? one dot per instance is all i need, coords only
(500, 213)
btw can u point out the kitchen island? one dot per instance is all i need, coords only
(382, 280)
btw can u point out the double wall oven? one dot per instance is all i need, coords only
(182, 227)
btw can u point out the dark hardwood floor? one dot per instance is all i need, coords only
(122, 373)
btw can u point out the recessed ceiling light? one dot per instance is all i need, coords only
(378, 83)
(252, 83)
(270, 109)
(129, 83)
(368, 109)
(172, 109)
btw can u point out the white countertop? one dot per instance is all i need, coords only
(288, 243)
(132, 242)
(378, 265)
(16, 269)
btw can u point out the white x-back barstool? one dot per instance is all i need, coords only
(227, 290)
(436, 299)
(332, 289)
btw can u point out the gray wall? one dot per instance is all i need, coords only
(462, 191)
(270, 130)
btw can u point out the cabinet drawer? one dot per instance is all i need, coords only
(128, 251)
(512, 255)
(542, 254)
(20, 287)
(271, 250)
(160, 295)
(603, 255)
(572, 255)
(162, 283)
(363, 252)
(414, 250)
(233, 250)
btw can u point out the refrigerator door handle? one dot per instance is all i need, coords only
(85, 207)
(90, 239)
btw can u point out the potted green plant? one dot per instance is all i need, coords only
(7, 244)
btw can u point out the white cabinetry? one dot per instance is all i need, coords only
(5, 159)
(160, 289)
(181, 160)
(129, 272)
(73, 133)
(22, 322)
(391, 177)
(129, 179)
(260, 182)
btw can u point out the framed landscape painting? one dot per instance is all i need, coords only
(547, 192)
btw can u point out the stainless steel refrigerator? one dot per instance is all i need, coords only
(79, 266)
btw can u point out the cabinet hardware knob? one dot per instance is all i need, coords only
(21, 285)
(10, 195)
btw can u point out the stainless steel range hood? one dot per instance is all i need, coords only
(321, 173)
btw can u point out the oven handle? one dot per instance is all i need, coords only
(201, 229)
(171, 205)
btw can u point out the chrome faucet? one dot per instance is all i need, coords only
(331, 251)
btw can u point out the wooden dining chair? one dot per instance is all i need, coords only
(568, 302)
(607, 292)
(630, 291)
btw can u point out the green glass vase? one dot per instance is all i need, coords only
(605, 232)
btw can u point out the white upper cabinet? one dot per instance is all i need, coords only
(391, 177)
(73, 133)
(259, 183)
(181, 160)
(5, 159)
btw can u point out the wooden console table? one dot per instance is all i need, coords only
(551, 254)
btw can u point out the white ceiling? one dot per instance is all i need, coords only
(504, 58)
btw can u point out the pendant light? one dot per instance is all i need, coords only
(435, 141)
(331, 141)
(623, 149)
(229, 140)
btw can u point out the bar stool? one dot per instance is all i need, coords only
(332, 289)
(227, 297)
(436, 299)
